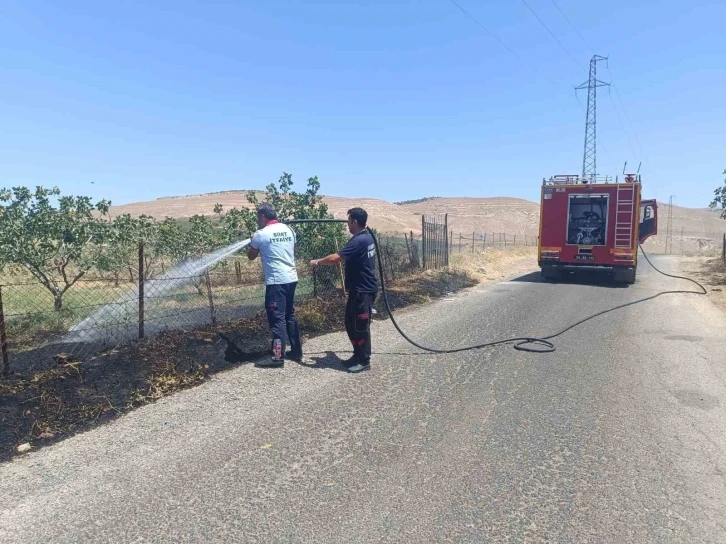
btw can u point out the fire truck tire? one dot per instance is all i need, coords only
(551, 274)
(625, 276)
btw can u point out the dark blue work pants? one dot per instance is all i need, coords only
(279, 303)
(358, 311)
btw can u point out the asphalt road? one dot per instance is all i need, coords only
(619, 436)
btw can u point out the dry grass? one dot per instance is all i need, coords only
(711, 272)
(495, 264)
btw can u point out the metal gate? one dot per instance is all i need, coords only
(435, 241)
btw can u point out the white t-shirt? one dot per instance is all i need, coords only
(276, 244)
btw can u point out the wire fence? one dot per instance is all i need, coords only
(479, 241)
(147, 293)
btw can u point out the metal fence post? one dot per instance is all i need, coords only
(723, 249)
(3, 337)
(141, 289)
(451, 244)
(212, 311)
(408, 248)
(423, 241)
(447, 237)
(238, 271)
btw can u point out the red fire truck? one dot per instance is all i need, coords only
(593, 225)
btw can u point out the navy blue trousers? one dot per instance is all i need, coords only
(279, 303)
(358, 311)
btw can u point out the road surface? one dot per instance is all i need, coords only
(619, 436)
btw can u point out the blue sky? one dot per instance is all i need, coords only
(396, 100)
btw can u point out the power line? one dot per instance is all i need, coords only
(505, 46)
(553, 35)
(592, 49)
(627, 117)
(622, 125)
(500, 42)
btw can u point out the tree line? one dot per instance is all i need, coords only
(59, 239)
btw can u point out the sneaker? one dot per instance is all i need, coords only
(270, 363)
(359, 367)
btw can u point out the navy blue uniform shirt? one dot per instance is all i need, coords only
(360, 263)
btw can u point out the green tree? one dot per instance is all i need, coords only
(122, 245)
(719, 201)
(202, 236)
(170, 240)
(57, 244)
(314, 239)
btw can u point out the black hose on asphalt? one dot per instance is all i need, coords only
(521, 343)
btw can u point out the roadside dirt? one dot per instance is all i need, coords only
(711, 272)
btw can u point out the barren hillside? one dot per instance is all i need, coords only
(385, 216)
(484, 215)
(466, 215)
(698, 228)
(701, 229)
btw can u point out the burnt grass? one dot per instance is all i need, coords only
(58, 397)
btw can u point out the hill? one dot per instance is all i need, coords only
(699, 229)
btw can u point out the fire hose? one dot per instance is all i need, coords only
(531, 344)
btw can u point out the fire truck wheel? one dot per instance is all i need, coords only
(625, 276)
(551, 274)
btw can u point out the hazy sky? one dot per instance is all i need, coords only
(394, 99)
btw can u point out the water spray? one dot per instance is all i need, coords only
(93, 327)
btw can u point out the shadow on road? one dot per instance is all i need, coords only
(596, 280)
(328, 360)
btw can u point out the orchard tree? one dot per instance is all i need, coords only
(719, 201)
(314, 239)
(58, 244)
(170, 239)
(122, 245)
(202, 236)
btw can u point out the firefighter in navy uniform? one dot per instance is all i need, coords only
(359, 255)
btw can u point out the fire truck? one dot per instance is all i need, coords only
(593, 225)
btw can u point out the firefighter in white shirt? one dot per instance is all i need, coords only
(275, 243)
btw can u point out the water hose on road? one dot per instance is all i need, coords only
(521, 343)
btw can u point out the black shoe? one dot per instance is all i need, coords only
(352, 361)
(294, 357)
(359, 367)
(270, 363)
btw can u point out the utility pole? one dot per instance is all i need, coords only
(669, 228)
(681, 241)
(589, 156)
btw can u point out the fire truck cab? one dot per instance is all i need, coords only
(593, 225)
